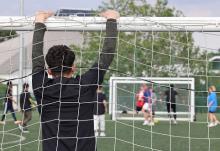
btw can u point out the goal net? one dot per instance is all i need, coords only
(156, 51)
(123, 91)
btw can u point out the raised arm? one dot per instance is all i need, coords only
(108, 50)
(96, 73)
(38, 63)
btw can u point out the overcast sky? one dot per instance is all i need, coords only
(189, 7)
(199, 8)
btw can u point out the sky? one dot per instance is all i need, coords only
(197, 8)
(190, 8)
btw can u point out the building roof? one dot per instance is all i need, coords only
(9, 52)
(74, 12)
(215, 59)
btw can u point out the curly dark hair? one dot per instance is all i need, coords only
(60, 58)
(171, 85)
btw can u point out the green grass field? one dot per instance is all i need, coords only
(128, 136)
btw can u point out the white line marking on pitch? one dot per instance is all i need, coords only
(21, 138)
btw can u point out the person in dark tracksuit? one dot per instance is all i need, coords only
(171, 101)
(25, 104)
(65, 102)
(8, 104)
(99, 112)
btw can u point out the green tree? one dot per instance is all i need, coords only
(5, 35)
(156, 54)
(145, 53)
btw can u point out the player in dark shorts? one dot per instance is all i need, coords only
(171, 102)
(100, 108)
(8, 104)
(26, 110)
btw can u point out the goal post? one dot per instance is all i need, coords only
(123, 90)
(75, 23)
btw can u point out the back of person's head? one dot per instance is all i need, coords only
(171, 86)
(9, 86)
(9, 83)
(212, 88)
(60, 59)
(25, 86)
(144, 86)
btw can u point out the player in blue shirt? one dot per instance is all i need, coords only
(212, 106)
(147, 109)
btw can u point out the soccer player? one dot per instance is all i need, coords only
(153, 101)
(171, 101)
(65, 102)
(212, 106)
(99, 112)
(8, 104)
(147, 109)
(25, 104)
(140, 99)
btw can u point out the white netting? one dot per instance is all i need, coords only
(138, 54)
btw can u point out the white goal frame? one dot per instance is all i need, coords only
(158, 80)
(75, 23)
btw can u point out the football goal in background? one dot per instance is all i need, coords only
(123, 90)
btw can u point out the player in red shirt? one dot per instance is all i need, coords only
(140, 99)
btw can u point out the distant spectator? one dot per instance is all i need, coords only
(25, 104)
(171, 101)
(8, 104)
(212, 106)
(99, 112)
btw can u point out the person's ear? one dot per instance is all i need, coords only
(49, 71)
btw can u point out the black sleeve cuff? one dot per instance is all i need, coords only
(40, 26)
(111, 20)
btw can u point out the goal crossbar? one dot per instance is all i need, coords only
(145, 24)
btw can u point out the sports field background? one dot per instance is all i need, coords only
(128, 136)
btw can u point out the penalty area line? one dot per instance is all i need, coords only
(21, 138)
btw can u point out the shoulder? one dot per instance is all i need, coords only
(214, 94)
(103, 94)
(22, 95)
